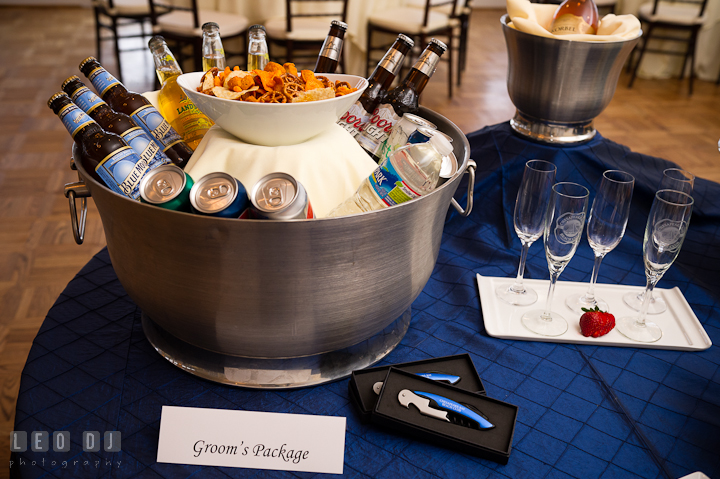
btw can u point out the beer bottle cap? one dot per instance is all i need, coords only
(156, 41)
(56, 96)
(210, 26)
(437, 42)
(86, 61)
(257, 27)
(406, 39)
(339, 24)
(68, 80)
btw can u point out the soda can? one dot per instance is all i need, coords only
(167, 186)
(421, 135)
(401, 131)
(279, 196)
(219, 194)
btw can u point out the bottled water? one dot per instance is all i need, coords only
(407, 173)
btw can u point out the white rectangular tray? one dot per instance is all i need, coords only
(681, 328)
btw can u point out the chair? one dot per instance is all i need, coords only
(113, 15)
(304, 28)
(436, 18)
(683, 16)
(182, 24)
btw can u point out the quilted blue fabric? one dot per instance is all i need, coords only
(585, 412)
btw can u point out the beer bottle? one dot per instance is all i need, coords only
(104, 155)
(378, 83)
(400, 100)
(173, 103)
(575, 16)
(258, 55)
(139, 109)
(329, 57)
(119, 123)
(212, 47)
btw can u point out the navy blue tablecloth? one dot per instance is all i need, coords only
(585, 412)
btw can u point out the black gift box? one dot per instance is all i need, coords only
(494, 444)
(362, 381)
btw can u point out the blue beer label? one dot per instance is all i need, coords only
(154, 123)
(389, 186)
(86, 99)
(122, 171)
(73, 118)
(145, 147)
(102, 80)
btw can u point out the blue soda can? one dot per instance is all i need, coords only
(219, 194)
(421, 135)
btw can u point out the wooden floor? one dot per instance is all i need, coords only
(42, 47)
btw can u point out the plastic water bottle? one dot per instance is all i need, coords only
(409, 172)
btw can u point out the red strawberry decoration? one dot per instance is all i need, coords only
(596, 323)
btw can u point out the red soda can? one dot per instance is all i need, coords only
(279, 196)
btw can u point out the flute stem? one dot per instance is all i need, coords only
(646, 301)
(590, 295)
(518, 287)
(547, 316)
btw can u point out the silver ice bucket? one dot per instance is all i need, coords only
(559, 87)
(272, 304)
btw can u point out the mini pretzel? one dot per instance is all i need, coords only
(273, 97)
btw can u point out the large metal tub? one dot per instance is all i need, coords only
(276, 304)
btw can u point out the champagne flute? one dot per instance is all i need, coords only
(529, 220)
(673, 179)
(563, 229)
(606, 227)
(664, 234)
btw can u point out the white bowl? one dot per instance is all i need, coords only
(273, 124)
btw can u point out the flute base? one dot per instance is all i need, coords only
(657, 304)
(577, 302)
(534, 322)
(631, 328)
(526, 297)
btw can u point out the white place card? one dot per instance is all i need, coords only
(250, 439)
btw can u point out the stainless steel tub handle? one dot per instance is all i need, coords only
(470, 191)
(73, 191)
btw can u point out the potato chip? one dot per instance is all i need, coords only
(274, 68)
(314, 95)
(222, 92)
(290, 68)
(208, 82)
(268, 79)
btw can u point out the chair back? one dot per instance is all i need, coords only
(700, 3)
(332, 9)
(159, 7)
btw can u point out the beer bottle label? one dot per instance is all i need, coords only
(331, 47)
(102, 80)
(86, 99)
(378, 128)
(122, 171)
(154, 123)
(392, 61)
(427, 62)
(389, 186)
(354, 119)
(193, 121)
(73, 118)
(147, 149)
(568, 24)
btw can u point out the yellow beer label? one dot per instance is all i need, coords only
(568, 24)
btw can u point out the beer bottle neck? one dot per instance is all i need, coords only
(416, 79)
(165, 64)
(76, 121)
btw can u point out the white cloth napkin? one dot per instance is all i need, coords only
(330, 165)
(535, 18)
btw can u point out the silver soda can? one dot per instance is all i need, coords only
(279, 196)
(448, 168)
(219, 194)
(167, 186)
(400, 133)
